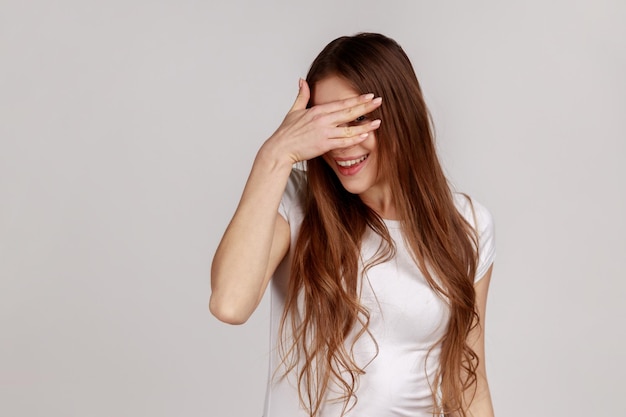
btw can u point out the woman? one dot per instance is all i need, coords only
(380, 272)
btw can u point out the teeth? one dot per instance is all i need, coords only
(352, 162)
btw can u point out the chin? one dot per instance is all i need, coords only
(355, 187)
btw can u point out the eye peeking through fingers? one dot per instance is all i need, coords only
(359, 120)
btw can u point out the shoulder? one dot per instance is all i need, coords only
(477, 215)
(296, 183)
(481, 220)
(292, 202)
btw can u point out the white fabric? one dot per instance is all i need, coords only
(407, 319)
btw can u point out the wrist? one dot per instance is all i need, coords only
(272, 158)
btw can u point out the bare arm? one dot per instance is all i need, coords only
(257, 238)
(480, 405)
(253, 245)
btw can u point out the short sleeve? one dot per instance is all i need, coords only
(482, 221)
(291, 203)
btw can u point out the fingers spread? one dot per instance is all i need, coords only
(346, 103)
(349, 114)
(347, 131)
(347, 142)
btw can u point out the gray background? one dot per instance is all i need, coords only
(128, 129)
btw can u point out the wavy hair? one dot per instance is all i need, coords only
(322, 304)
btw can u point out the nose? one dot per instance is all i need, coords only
(341, 152)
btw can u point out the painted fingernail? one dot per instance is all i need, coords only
(364, 135)
(377, 100)
(368, 96)
(375, 123)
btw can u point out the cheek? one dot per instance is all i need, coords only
(328, 160)
(371, 143)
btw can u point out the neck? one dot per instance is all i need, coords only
(381, 201)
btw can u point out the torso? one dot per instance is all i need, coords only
(407, 321)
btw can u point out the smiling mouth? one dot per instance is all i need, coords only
(352, 162)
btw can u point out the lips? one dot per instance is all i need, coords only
(351, 162)
(352, 165)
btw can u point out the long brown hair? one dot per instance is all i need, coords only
(322, 304)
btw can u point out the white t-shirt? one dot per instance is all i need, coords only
(406, 319)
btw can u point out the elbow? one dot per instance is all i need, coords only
(227, 312)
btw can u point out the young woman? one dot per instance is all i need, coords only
(379, 271)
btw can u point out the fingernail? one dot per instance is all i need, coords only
(364, 135)
(377, 100)
(375, 123)
(368, 96)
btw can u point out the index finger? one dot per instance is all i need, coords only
(343, 104)
(348, 114)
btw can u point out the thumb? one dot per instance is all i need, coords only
(303, 96)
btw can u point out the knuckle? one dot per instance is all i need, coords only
(317, 110)
(317, 118)
(314, 111)
(320, 120)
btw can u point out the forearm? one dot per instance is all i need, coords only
(480, 405)
(240, 264)
(478, 402)
(256, 238)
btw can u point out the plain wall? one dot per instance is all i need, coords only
(127, 129)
